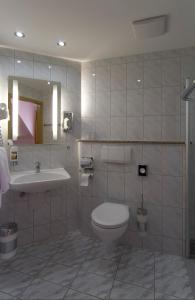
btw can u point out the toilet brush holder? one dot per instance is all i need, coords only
(142, 221)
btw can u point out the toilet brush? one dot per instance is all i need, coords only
(142, 219)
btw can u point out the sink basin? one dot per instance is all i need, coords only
(32, 182)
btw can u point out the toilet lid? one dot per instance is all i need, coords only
(110, 215)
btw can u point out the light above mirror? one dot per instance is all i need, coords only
(55, 112)
(15, 103)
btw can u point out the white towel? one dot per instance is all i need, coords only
(4, 173)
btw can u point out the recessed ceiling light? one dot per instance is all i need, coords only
(48, 82)
(49, 66)
(61, 43)
(93, 74)
(19, 61)
(19, 34)
(138, 80)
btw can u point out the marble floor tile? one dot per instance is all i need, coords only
(125, 291)
(139, 258)
(104, 267)
(137, 276)
(13, 282)
(159, 296)
(43, 290)
(59, 274)
(73, 295)
(174, 267)
(72, 245)
(162, 258)
(176, 286)
(27, 264)
(71, 258)
(82, 268)
(92, 284)
(44, 251)
(112, 253)
(4, 296)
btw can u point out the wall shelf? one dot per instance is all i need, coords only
(131, 142)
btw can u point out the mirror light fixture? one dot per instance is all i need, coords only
(55, 112)
(15, 101)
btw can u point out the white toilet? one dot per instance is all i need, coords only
(110, 221)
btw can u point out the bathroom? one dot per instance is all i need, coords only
(100, 188)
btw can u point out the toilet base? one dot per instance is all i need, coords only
(109, 236)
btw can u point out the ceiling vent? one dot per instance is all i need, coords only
(150, 27)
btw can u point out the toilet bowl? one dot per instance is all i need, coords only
(110, 221)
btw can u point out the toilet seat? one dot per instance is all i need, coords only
(110, 215)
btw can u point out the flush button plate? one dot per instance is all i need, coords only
(142, 170)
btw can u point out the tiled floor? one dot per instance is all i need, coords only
(78, 267)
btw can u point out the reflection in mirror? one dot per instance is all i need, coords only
(32, 111)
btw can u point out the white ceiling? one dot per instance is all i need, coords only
(93, 29)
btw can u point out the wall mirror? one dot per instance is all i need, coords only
(35, 112)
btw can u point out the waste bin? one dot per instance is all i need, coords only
(8, 240)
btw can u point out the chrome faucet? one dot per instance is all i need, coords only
(37, 166)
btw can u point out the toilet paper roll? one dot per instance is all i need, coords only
(85, 162)
(84, 179)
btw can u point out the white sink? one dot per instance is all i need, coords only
(32, 182)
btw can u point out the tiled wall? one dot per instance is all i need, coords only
(138, 97)
(41, 215)
(135, 97)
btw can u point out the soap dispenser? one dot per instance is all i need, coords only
(13, 155)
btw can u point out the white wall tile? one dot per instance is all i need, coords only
(118, 103)
(99, 184)
(152, 157)
(134, 128)
(171, 99)
(152, 189)
(24, 69)
(172, 191)
(171, 71)
(102, 78)
(118, 77)
(58, 73)
(154, 219)
(152, 127)
(134, 75)
(88, 128)
(6, 67)
(152, 101)
(118, 128)
(73, 79)
(102, 104)
(135, 103)
(102, 128)
(88, 105)
(42, 71)
(172, 222)
(87, 79)
(152, 73)
(172, 160)
(133, 188)
(171, 128)
(116, 186)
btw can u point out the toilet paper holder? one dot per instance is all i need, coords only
(87, 164)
